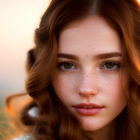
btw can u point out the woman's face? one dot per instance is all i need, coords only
(87, 77)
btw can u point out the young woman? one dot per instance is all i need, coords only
(84, 73)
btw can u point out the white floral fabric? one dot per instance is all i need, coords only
(24, 138)
(29, 138)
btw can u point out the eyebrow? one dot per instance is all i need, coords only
(107, 55)
(99, 56)
(69, 56)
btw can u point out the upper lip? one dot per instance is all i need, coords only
(87, 105)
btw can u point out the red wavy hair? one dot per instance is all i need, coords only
(54, 121)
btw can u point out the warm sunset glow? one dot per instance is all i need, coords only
(18, 19)
(138, 1)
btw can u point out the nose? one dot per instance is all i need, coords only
(88, 84)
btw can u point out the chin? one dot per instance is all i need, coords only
(89, 124)
(90, 127)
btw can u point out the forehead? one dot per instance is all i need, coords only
(92, 33)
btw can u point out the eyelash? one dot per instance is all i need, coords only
(116, 65)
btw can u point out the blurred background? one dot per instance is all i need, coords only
(18, 20)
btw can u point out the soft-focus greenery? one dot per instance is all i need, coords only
(6, 127)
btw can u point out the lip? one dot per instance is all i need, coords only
(88, 109)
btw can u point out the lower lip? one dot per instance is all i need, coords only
(88, 111)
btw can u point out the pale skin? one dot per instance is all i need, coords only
(88, 71)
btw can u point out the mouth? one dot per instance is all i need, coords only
(88, 109)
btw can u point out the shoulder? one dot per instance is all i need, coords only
(23, 137)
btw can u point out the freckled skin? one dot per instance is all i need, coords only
(90, 81)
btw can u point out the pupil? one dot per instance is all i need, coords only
(67, 65)
(110, 65)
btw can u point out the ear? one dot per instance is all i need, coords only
(31, 57)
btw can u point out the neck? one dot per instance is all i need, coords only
(105, 133)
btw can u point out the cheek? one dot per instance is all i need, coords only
(111, 84)
(63, 85)
(112, 91)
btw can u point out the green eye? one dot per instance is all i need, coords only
(110, 65)
(66, 66)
